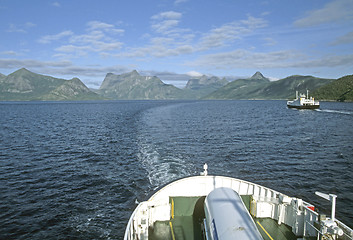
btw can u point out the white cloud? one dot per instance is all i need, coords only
(81, 50)
(101, 26)
(11, 53)
(162, 27)
(107, 46)
(176, 2)
(174, 41)
(29, 25)
(21, 28)
(246, 59)
(166, 40)
(93, 25)
(99, 37)
(194, 74)
(229, 32)
(279, 59)
(338, 10)
(50, 38)
(270, 41)
(56, 4)
(345, 39)
(62, 68)
(328, 61)
(166, 52)
(167, 15)
(31, 63)
(178, 41)
(88, 38)
(14, 28)
(165, 22)
(265, 13)
(158, 50)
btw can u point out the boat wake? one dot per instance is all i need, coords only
(157, 151)
(161, 170)
(335, 111)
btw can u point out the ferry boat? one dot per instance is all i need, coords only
(223, 208)
(303, 102)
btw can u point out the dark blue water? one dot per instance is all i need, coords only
(73, 170)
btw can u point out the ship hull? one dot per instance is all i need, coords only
(304, 106)
(206, 205)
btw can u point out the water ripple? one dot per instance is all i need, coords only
(73, 170)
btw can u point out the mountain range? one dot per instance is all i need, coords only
(134, 86)
(197, 88)
(24, 85)
(260, 87)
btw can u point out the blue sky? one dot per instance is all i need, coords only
(175, 39)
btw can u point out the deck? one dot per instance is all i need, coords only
(187, 215)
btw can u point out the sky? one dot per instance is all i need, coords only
(177, 39)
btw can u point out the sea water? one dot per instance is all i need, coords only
(75, 170)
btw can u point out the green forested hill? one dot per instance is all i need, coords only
(264, 89)
(285, 88)
(240, 88)
(73, 90)
(24, 85)
(338, 90)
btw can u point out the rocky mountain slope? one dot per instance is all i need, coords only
(240, 88)
(259, 87)
(2, 76)
(24, 85)
(134, 86)
(202, 86)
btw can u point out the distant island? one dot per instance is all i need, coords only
(24, 85)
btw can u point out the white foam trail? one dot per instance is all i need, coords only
(164, 167)
(335, 111)
(161, 169)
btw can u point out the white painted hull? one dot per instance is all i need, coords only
(303, 102)
(266, 203)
